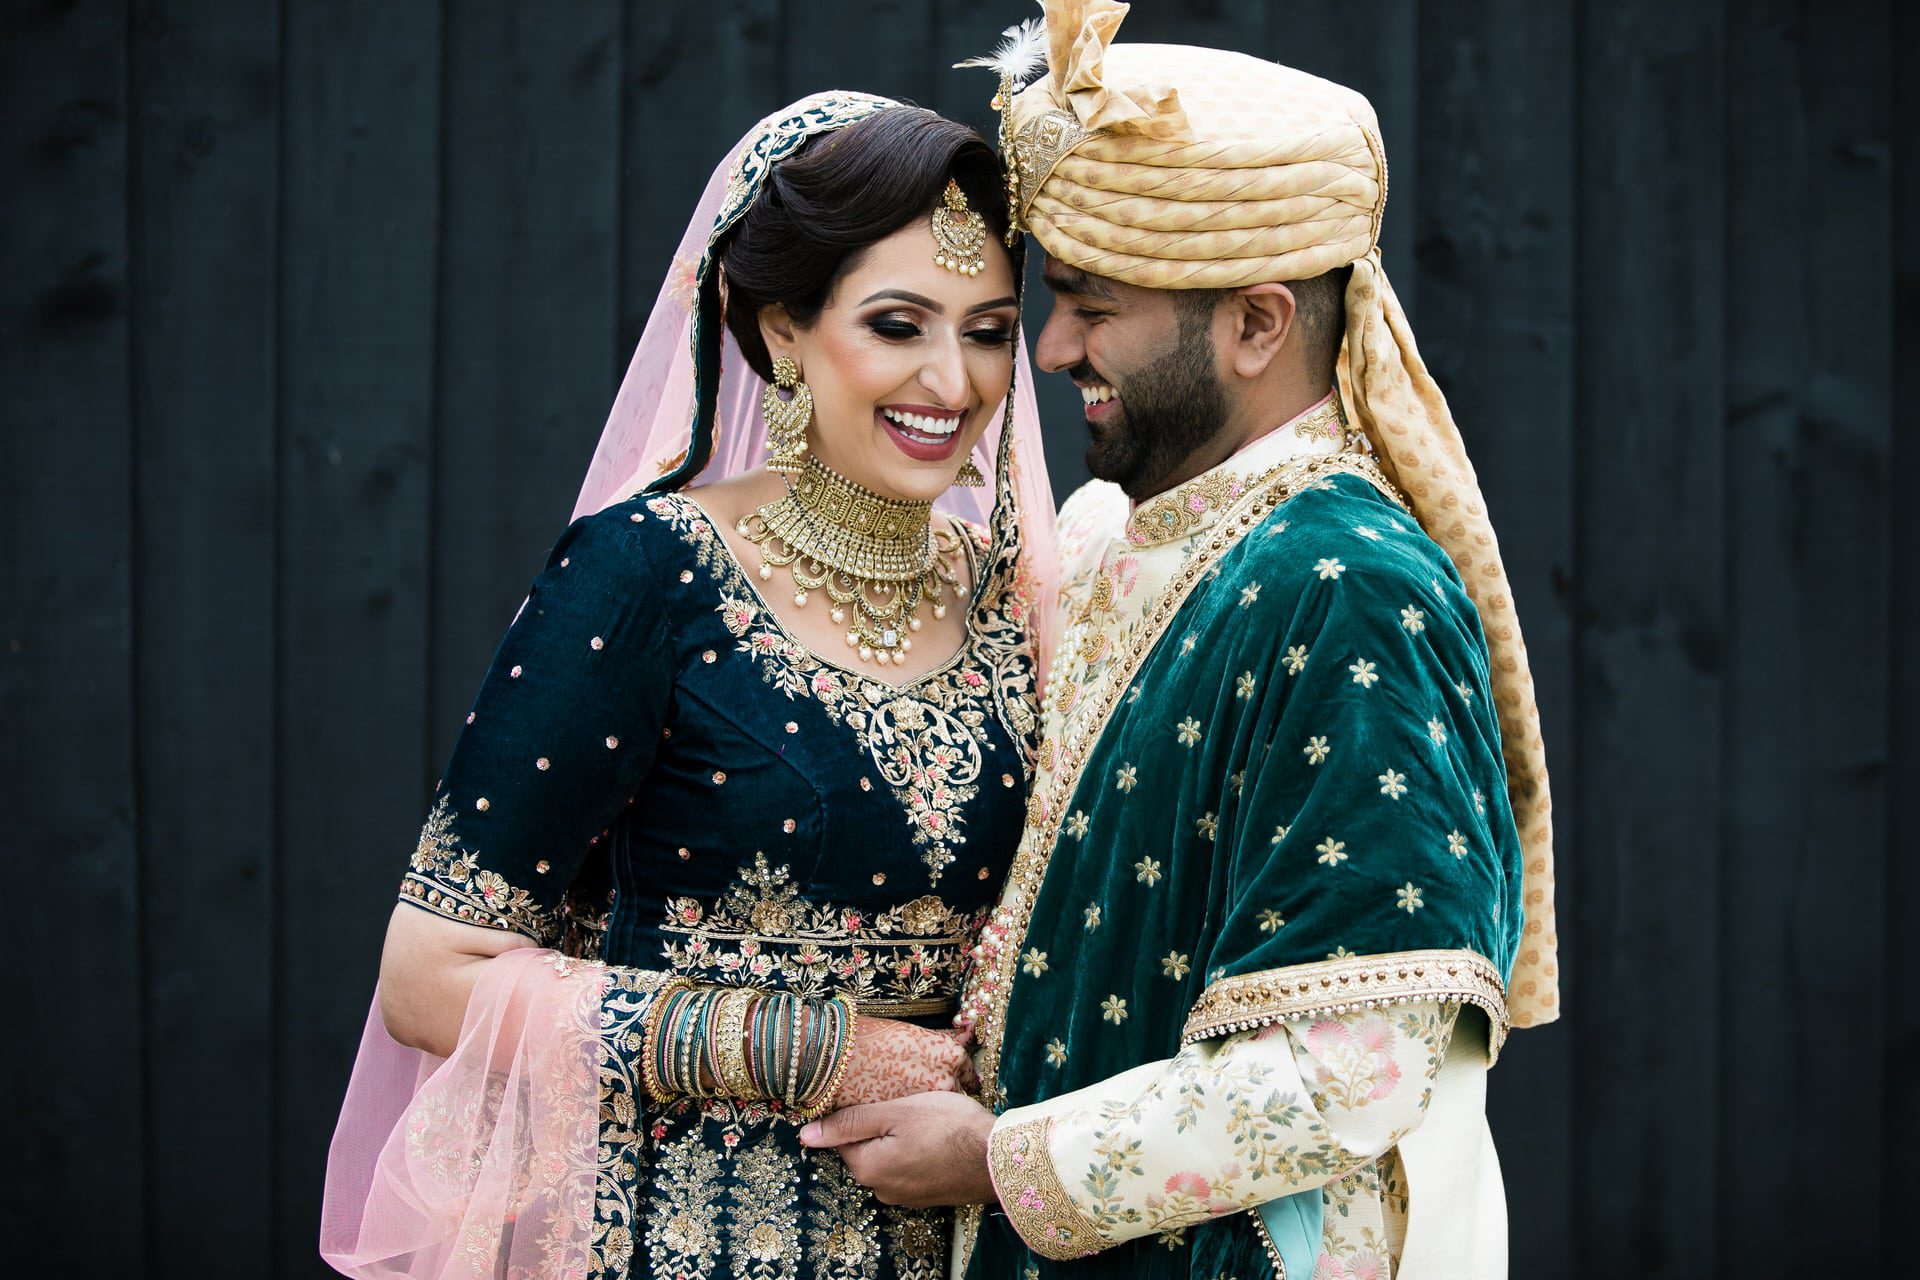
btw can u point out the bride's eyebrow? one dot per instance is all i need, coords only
(901, 295)
(921, 300)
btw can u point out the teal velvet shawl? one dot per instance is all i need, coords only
(1297, 806)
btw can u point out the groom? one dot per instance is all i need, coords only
(1286, 876)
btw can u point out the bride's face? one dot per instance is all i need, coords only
(906, 362)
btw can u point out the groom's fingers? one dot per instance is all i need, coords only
(851, 1124)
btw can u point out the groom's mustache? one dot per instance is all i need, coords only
(1085, 373)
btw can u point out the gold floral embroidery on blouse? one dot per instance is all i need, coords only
(447, 880)
(902, 962)
(926, 739)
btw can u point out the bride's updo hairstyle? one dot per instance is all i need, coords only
(823, 206)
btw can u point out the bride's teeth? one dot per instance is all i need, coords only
(924, 424)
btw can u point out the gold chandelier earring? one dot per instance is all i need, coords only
(969, 477)
(788, 416)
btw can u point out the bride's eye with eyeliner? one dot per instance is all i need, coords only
(895, 327)
(992, 336)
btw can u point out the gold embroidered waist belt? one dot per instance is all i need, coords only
(925, 1007)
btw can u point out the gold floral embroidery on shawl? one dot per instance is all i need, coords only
(1339, 985)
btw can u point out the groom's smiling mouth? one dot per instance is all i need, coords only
(1099, 398)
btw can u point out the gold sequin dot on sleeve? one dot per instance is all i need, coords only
(879, 877)
(1006, 779)
(792, 727)
(686, 575)
(543, 764)
(565, 561)
(612, 742)
(709, 656)
(543, 866)
(515, 673)
(866, 784)
(789, 826)
(469, 717)
(597, 643)
(719, 777)
(483, 804)
(685, 854)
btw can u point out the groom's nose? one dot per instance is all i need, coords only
(1062, 343)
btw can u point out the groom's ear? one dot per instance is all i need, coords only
(1260, 321)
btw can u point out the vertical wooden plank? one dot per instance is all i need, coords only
(66, 638)
(676, 54)
(361, 114)
(529, 278)
(1770, 211)
(1645, 880)
(1810, 364)
(1900, 1173)
(1494, 268)
(205, 83)
(1210, 24)
(1375, 49)
(876, 46)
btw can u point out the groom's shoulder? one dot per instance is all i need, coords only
(1342, 525)
(1093, 513)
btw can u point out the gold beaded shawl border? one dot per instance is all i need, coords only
(1263, 494)
(1329, 987)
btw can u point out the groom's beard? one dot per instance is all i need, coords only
(1169, 408)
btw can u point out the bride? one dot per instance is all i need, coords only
(749, 766)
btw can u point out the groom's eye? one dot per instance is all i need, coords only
(1088, 314)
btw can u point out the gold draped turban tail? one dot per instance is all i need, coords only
(1174, 167)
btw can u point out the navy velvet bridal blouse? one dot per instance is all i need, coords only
(655, 774)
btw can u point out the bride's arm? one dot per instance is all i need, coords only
(427, 974)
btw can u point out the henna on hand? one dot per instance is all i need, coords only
(890, 1059)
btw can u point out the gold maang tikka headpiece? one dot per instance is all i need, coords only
(959, 234)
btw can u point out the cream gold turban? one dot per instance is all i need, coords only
(1175, 167)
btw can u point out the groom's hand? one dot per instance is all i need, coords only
(921, 1151)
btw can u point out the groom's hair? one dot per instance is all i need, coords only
(1319, 314)
(823, 207)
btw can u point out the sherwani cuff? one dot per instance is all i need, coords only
(1020, 1162)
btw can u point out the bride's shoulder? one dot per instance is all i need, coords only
(637, 538)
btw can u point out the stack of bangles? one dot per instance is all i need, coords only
(737, 1042)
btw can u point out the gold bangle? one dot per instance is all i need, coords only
(650, 1040)
(730, 1028)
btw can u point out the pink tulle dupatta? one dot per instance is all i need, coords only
(482, 1163)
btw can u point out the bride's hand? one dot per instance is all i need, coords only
(890, 1059)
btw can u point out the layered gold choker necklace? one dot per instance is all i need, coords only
(876, 558)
